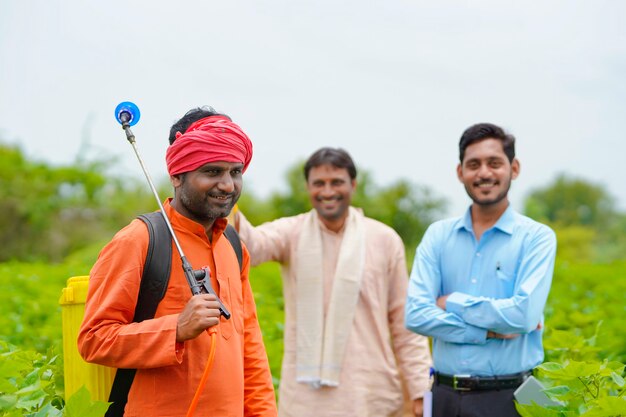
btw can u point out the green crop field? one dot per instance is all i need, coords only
(585, 339)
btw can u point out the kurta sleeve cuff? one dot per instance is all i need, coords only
(418, 396)
(171, 322)
(417, 387)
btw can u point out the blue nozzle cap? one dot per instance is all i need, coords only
(127, 111)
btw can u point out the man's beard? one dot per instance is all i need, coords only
(198, 205)
(339, 212)
(489, 202)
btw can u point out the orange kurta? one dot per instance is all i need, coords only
(168, 373)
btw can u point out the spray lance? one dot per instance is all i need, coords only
(199, 280)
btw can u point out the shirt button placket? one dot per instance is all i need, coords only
(474, 280)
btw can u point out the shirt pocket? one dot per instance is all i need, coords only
(503, 274)
(505, 280)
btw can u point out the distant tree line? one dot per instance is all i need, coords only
(48, 212)
(51, 211)
(584, 215)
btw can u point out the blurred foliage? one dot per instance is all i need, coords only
(267, 287)
(575, 243)
(296, 199)
(585, 343)
(584, 217)
(29, 302)
(583, 298)
(572, 201)
(50, 212)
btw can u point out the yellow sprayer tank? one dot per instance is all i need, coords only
(98, 379)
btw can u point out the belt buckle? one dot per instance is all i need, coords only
(456, 380)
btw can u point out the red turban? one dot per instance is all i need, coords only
(212, 139)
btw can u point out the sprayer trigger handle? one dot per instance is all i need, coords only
(200, 274)
(208, 289)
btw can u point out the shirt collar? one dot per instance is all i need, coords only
(465, 222)
(505, 223)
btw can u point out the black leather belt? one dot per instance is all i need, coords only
(481, 383)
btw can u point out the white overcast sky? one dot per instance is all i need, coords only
(394, 82)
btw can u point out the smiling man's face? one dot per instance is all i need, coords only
(330, 191)
(209, 192)
(487, 173)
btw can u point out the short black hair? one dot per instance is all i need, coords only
(191, 116)
(482, 131)
(336, 157)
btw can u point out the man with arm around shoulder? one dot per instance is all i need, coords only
(347, 351)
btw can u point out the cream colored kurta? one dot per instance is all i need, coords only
(370, 382)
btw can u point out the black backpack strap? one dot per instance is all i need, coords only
(235, 241)
(156, 268)
(156, 275)
(119, 392)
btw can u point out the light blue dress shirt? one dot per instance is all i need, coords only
(499, 283)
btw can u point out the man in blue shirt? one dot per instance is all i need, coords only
(479, 285)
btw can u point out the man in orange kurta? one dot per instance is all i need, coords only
(206, 164)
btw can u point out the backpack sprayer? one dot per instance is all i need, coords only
(127, 114)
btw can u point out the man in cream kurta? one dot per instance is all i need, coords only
(344, 281)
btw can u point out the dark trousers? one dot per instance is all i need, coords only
(448, 402)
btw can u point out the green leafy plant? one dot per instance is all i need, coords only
(585, 388)
(81, 405)
(584, 383)
(26, 383)
(28, 389)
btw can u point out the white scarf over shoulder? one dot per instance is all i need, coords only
(321, 343)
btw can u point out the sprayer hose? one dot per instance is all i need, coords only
(205, 374)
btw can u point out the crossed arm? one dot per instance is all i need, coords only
(462, 318)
